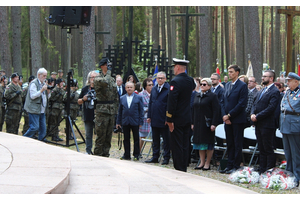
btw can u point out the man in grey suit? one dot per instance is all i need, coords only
(290, 126)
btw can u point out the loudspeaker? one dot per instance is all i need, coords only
(70, 15)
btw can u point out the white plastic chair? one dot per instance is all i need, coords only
(220, 133)
(249, 133)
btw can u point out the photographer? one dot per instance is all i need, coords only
(86, 98)
(13, 95)
(56, 107)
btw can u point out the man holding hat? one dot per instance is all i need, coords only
(179, 112)
(290, 124)
(106, 108)
(13, 95)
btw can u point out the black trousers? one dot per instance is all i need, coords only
(234, 139)
(265, 138)
(156, 133)
(180, 146)
(136, 141)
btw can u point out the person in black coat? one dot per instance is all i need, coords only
(179, 114)
(206, 111)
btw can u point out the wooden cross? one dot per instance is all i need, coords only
(187, 16)
(290, 12)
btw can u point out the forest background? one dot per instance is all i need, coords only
(227, 34)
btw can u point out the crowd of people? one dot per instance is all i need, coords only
(177, 111)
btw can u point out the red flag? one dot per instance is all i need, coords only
(218, 72)
(298, 69)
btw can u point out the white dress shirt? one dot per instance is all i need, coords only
(129, 99)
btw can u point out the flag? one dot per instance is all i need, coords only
(218, 72)
(155, 75)
(299, 69)
(250, 70)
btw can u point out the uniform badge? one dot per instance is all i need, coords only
(172, 87)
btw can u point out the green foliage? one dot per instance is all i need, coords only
(140, 73)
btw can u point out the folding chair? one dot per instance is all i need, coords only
(249, 133)
(146, 140)
(220, 133)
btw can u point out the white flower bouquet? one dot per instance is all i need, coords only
(278, 179)
(244, 175)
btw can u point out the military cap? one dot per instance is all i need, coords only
(14, 75)
(103, 61)
(53, 73)
(293, 75)
(2, 70)
(58, 81)
(60, 71)
(180, 62)
(31, 78)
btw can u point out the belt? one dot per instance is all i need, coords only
(105, 102)
(291, 113)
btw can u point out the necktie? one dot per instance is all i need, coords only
(119, 90)
(159, 88)
(262, 93)
(230, 87)
(213, 90)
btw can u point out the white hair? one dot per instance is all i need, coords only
(88, 77)
(41, 71)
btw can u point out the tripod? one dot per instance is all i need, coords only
(69, 122)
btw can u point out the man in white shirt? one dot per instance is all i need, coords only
(35, 105)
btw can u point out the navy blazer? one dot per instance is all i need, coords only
(265, 108)
(123, 90)
(235, 102)
(220, 92)
(158, 106)
(131, 116)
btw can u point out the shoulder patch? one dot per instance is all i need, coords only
(172, 87)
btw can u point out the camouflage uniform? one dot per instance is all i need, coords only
(1, 97)
(3, 108)
(14, 105)
(56, 107)
(26, 116)
(106, 109)
(74, 107)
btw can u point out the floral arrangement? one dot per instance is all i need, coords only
(278, 179)
(283, 165)
(244, 175)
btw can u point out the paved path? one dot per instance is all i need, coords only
(31, 166)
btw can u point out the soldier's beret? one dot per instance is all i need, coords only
(58, 81)
(14, 75)
(293, 75)
(180, 62)
(103, 61)
(31, 78)
(60, 71)
(53, 73)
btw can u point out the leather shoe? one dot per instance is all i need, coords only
(206, 169)
(124, 158)
(57, 139)
(230, 171)
(165, 162)
(152, 160)
(198, 168)
(225, 170)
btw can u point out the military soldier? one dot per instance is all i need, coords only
(26, 116)
(2, 72)
(13, 95)
(290, 124)
(61, 75)
(3, 104)
(179, 112)
(74, 107)
(2, 87)
(106, 109)
(56, 107)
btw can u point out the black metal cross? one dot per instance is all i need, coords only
(187, 15)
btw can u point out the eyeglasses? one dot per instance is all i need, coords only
(92, 77)
(203, 84)
(150, 85)
(266, 76)
(160, 78)
(213, 79)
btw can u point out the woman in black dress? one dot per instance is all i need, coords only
(204, 121)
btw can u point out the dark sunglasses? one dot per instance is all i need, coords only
(203, 84)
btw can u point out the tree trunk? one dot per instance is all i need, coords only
(5, 61)
(197, 44)
(205, 42)
(35, 35)
(88, 54)
(216, 34)
(45, 49)
(222, 39)
(226, 24)
(114, 26)
(16, 39)
(107, 26)
(173, 33)
(262, 34)
(155, 33)
(271, 58)
(247, 42)
(169, 34)
(254, 38)
(52, 51)
(163, 28)
(277, 44)
(240, 54)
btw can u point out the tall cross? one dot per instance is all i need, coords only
(290, 12)
(187, 16)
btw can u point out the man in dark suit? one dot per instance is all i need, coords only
(157, 117)
(120, 86)
(252, 85)
(179, 114)
(263, 116)
(233, 107)
(130, 116)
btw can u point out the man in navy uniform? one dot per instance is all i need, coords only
(179, 112)
(290, 125)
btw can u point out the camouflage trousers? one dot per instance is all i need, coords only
(53, 119)
(103, 129)
(12, 118)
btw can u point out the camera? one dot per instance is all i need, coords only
(91, 95)
(118, 130)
